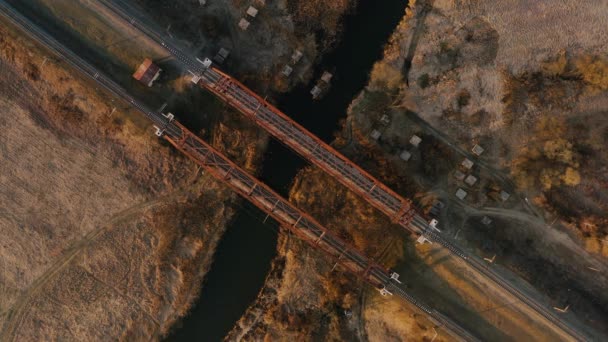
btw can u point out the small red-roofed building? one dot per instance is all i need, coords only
(147, 72)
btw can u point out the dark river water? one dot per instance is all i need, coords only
(244, 254)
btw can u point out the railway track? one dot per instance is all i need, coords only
(247, 186)
(397, 208)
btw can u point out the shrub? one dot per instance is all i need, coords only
(463, 98)
(423, 81)
(594, 71)
(385, 75)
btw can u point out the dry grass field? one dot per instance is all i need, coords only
(525, 80)
(107, 232)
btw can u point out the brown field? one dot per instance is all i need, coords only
(108, 233)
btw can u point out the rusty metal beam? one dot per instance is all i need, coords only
(289, 216)
(231, 91)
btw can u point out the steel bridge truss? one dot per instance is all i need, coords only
(308, 145)
(301, 224)
(289, 217)
(399, 209)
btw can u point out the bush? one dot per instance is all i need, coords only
(448, 55)
(463, 98)
(423, 81)
(594, 71)
(385, 75)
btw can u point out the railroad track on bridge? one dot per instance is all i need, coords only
(224, 170)
(399, 209)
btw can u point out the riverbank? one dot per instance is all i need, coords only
(455, 77)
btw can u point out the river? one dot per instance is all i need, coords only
(245, 252)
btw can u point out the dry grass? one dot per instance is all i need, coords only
(107, 233)
(500, 312)
(101, 33)
(319, 15)
(392, 320)
(129, 280)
